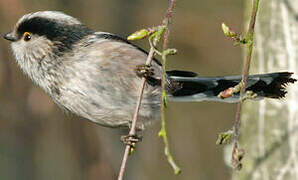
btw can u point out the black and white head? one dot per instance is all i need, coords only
(43, 37)
(43, 34)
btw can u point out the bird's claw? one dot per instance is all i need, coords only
(144, 70)
(131, 140)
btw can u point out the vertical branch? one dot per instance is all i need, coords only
(250, 39)
(132, 131)
(269, 132)
(166, 23)
(163, 132)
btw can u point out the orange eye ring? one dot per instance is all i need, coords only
(27, 36)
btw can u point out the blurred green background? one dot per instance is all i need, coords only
(39, 142)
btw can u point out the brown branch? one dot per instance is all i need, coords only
(250, 35)
(132, 131)
(166, 23)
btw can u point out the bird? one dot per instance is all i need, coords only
(96, 75)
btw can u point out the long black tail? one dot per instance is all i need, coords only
(187, 86)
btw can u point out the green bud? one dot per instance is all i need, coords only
(141, 34)
(237, 156)
(161, 133)
(170, 52)
(224, 138)
(228, 31)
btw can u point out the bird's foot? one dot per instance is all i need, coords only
(131, 140)
(144, 70)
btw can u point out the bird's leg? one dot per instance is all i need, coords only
(144, 70)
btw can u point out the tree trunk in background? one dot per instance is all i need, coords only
(269, 127)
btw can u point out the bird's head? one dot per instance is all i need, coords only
(44, 33)
(39, 39)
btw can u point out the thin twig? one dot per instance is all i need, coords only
(132, 131)
(250, 37)
(162, 132)
(166, 22)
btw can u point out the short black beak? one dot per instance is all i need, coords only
(9, 37)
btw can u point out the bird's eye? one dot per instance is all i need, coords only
(27, 36)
